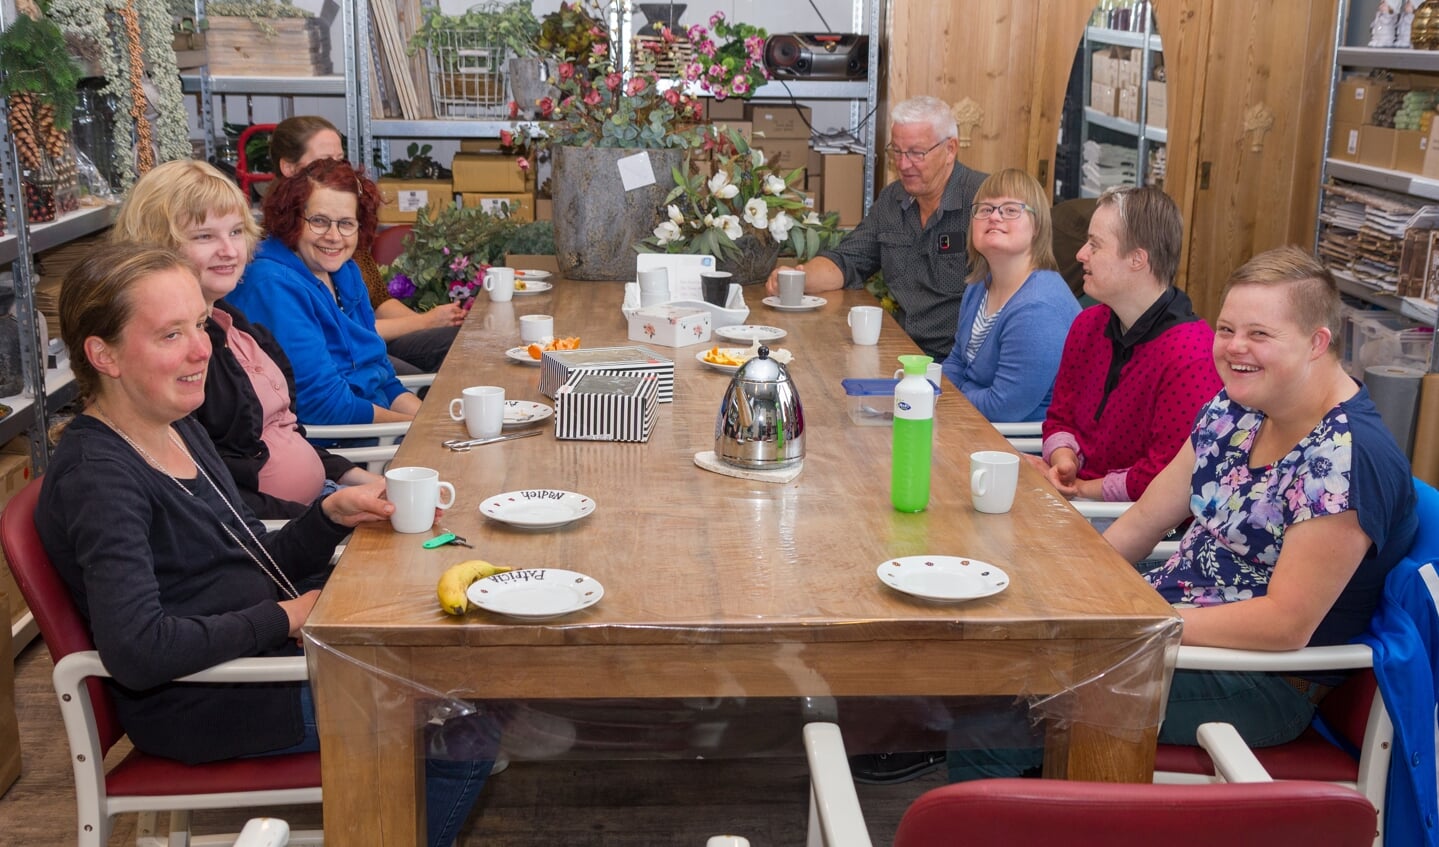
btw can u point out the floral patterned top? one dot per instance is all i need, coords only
(1241, 512)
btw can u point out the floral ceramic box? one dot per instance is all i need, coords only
(672, 326)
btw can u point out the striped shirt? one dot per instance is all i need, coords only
(924, 265)
(980, 329)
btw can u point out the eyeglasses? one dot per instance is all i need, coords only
(1007, 211)
(319, 225)
(916, 156)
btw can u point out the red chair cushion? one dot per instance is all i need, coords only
(389, 244)
(1080, 814)
(1309, 756)
(143, 775)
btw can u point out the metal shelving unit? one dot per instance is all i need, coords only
(1386, 179)
(1149, 43)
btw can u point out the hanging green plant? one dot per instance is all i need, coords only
(36, 61)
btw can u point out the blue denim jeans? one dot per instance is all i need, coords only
(458, 758)
(1265, 709)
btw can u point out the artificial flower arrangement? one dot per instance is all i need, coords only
(447, 253)
(600, 102)
(738, 193)
(732, 69)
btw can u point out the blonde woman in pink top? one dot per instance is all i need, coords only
(249, 390)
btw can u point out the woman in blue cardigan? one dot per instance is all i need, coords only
(1017, 310)
(306, 288)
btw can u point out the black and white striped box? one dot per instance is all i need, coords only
(557, 366)
(608, 406)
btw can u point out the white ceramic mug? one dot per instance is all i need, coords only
(536, 327)
(415, 492)
(993, 477)
(791, 287)
(934, 372)
(655, 281)
(500, 282)
(482, 408)
(864, 323)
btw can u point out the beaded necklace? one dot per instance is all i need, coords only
(273, 571)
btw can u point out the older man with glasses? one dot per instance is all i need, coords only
(917, 231)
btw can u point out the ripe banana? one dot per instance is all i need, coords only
(454, 581)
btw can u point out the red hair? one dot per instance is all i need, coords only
(284, 205)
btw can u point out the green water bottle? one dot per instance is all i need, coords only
(913, 436)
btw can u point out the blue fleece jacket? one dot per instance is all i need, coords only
(341, 368)
(1012, 376)
(1405, 638)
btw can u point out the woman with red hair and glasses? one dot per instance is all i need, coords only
(306, 288)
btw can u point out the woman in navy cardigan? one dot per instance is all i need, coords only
(1017, 310)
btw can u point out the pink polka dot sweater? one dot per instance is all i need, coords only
(1149, 412)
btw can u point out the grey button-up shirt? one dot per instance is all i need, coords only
(924, 266)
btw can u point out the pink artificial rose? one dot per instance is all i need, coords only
(547, 107)
(514, 110)
(672, 97)
(593, 98)
(506, 138)
(612, 81)
(635, 86)
(567, 71)
(523, 163)
(600, 49)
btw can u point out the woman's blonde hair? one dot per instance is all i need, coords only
(1012, 182)
(177, 195)
(1313, 294)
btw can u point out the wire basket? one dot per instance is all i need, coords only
(670, 59)
(467, 75)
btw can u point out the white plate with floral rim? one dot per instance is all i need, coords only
(521, 355)
(808, 304)
(531, 286)
(942, 577)
(525, 412)
(529, 273)
(535, 594)
(537, 508)
(750, 332)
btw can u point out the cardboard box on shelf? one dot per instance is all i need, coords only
(1376, 146)
(744, 128)
(521, 204)
(843, 187)
(1344, 142)
(1431, 155)
(544, 209)
(1104, 98)
(487, 172)
(1128, 103)
(402, 198)
(479, 145)
(1355, 99)
(774, 121)
(1410, 146)
(814, 166)
(1102, 69)
(728, 109)
(1157, 113)
(786, 153)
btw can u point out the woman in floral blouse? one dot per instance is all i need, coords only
(1301, 503)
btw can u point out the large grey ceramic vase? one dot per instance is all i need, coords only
(530, 83)
(597, 222)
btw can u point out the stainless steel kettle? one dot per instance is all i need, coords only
(761, 423)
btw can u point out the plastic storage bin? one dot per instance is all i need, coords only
(871, 401)
(1384, 338)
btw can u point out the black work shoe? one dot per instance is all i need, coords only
(887, 768)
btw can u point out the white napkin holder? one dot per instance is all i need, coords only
(732, 313)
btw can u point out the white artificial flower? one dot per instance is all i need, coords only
(781, 225)
(721, 187)
(812, 219)
(756, 157)
(667, 232)
(773, 184)
(709, 220)
(674, 212)
(729, 225)
(756, 213)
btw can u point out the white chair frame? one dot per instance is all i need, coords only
(374, 458)
(1377, 748)
(96, 810)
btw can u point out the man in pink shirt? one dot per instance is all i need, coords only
(1137, 367)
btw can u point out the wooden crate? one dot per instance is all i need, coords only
(240, 47)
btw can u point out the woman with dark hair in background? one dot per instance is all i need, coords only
(418, 340)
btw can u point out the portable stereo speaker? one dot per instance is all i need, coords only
(818, 55)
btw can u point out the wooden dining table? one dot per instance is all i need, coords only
(721, 587)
